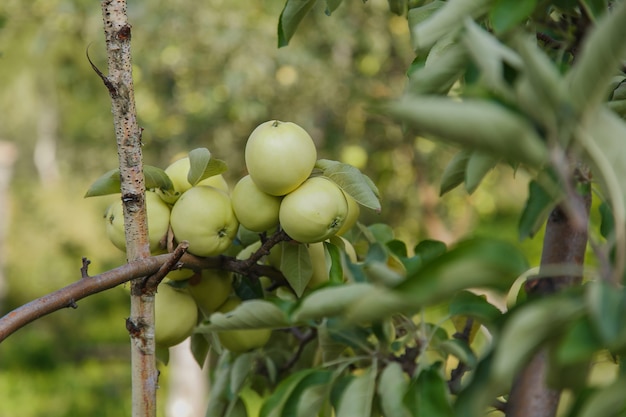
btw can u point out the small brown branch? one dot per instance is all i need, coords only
(84, 270)
(304, 339)
(69, 295)
(154, 268)
(454, 384)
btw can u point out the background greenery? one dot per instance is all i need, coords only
(206, 73)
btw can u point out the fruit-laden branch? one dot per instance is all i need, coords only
(154, 268)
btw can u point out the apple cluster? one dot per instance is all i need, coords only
(282, 190)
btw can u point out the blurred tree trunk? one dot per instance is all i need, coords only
(188, 384)
(8, 156)
(565, 242)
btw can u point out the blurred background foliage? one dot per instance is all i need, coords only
(206, 73)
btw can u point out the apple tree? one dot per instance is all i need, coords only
(299, 309)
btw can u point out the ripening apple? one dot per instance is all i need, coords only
(256, 211)
(241, 340)
(204, 217)
(314, 211)
(158, 214)
(353, 214)
(279, 156)
(177, 172)
(210, 289)
(175, 315)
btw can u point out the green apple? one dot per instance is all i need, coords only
(158, 214)
(314, 211)
(279, 156)
(256, 211)
(178, 170)
(175, 315)
(204, 217)
(320, 264)
(210, 289)
(180, 274)
(241, 340)
(353, 214)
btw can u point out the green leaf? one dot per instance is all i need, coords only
(218, 397)
(241, 368)
(335, 275)
(430, 249)
(428, 394)
(331, 348)
(473, 263)
(295, 264)
(506, 14)
(331, 6)
(331, 301)
(460, 350)
(291, 16)
(478, 166)
(202, 166)
(607, 307)
(381, 232)
(607, 224)
(598, 61)
(607, 401)
(274, 404)
(491, 57)
(466, 303)
(447, 19)
(250, 314)
(526, 329)
(538, 206)
(356, 399)
(398, 7)
(199, 348)
(443, 67)
(595, 8)
(478, 124)
(109, 183)
(578, 344)
(307, 397)
(454, 173)
(354, 183)
(392, 387)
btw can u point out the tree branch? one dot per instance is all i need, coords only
(151, 269)
(564, 243)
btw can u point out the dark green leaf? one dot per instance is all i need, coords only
(274, 404)
(607, 307)
(291, 16)
(202, 165)
(295, 264)
(600, 57)
(595, 8)
(218, 397)
(332, 5)
(336, 268)
(536, 211)
(392, 386)
(466, 303)
(303, 402)
(607, 224)
(428, 249)
(526, 329)
(199, 348)
(454, 173)
(397, 247)
(398, 7)
(428, 394)
(240, 369)
(478, 166)
(579, 343)
(357, 397)
(506, 14)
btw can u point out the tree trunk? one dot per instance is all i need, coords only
(564, 243)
